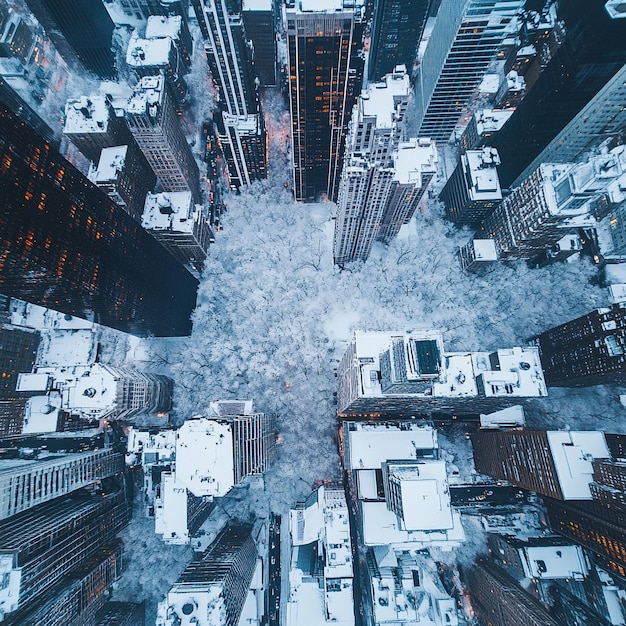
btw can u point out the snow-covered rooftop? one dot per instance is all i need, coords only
(162, 26)
(34, 316)
(149, 91)
(148, 52)
(485, 250)
(205, 457)
(111, 163)
(371, 444)
(510, 417)
(257, 5)
(41, 414)
(378, 99)
(479, 167)
(413, 159)
(169, 211)
(320, 5)
(147, 448)
(189, 605)
(549, 562)
(572, 452)
(490, 83)
(246, 124)
(489, 121)
(220, 408)
(66, 347)
(87, 114)
(170, 511)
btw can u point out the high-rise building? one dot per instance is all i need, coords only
(383, 179)
(396, 32)
(175, 27)
(153, 121)
(18, 352)
(42, 545)
(409, 374)
(215, 453)
(80, 30)
(121, 614)
(553, 463)
(465, 39)
(180, 225)
(241, 128)
(325, 73)
(68, 247)
(552, 201)
(560, 112)
(259, 21)
(92, 124)
(499, 600)
(214, 587)
(11, 417)
(124, 174)
(79, 596)
(25, 484)
(588, 350)
(473, 190)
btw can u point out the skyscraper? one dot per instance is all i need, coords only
(216, 585)
(592, 53)
(588, 350)
(241, 128)
(498, 600)
(396, 32)
(383, 179)
(259, 21)
(79, 29)
(18, 352)
(156, 127)
(465, 39)
(68, 247)
(325, 73)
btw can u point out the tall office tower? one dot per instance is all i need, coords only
(179, 225)
(383, 179)
(80, 30)
(213, 589)
(121, 614)
(241, 128)
(68, 247)
(18, 352)
(215, 453)
(155, 56)
(259, 22)
(12, 417)
(499, 600)
(617, 445)
(124, 174)
(553, 201)
(176, 28)
(473, 190)
(92, 124)
(482, 125)
(553, 463)
(563, 98)
(326, 63)
(588, 350)
(25, 484)
(78, 597)
(16, 37)
(409, 375)
(396, 32)
(42, 545)
(465, 39)
(153, 121)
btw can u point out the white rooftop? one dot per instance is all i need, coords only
(321, 5)
(148, 52)
(205, 601)
(170, 511)
(257, 5)
(34, 316)
(87, 114)
(572, 452)
(162, 26)
(510, 417)
(41, 414)
(489, 121)
(485, 249)
(205, 457)
(148, 91)
(66, 347)
(173, 211)
(378, 99)
(414, 158)
(111, 163)
(550, 562)
(147, 448)
(490, 83)
(479, 167)
(371, 444)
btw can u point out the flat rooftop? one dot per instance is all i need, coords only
(87, 114)
(378, 99)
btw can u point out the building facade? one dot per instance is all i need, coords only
(241, 126)
(588, 350)
(215, 586)
(18, 352)
(259, 21)
(325, 73)
(396, 32)
(464, 41)
(155, 125)
(69, 245)
(80, 31)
